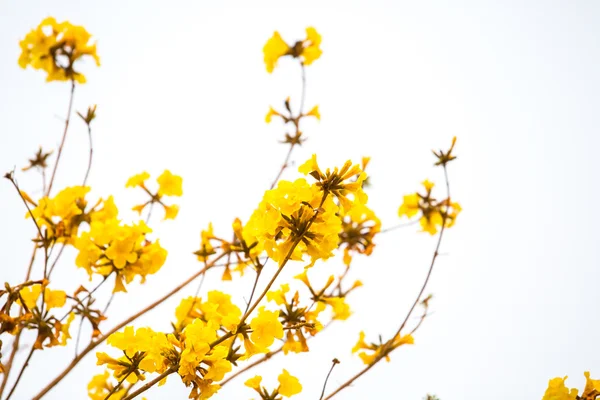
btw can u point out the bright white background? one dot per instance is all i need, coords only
(183, 87)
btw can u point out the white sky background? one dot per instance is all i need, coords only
(184, 87)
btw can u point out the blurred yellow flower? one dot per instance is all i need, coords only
(288, 385)
(55, 48)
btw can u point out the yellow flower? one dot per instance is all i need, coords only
(592, 387)
(376, 349)
(281, 225)
(558, 391)
(64, 329)
(169, 184)
(63, 214)
(288, 384)
(220, 310)
(54, 298)
(335, 182)
(278, 296)
(30, 294)
(308, 50)
(314, 112)
(341, 310)
(410, 206)
(122, 251)
(55, 48)
(171, 211)
(312, 50)
(218, 369)
(270, 115)
(273, 50)
(254, 383)
(138, 180)
(434, 213)
(266, 328)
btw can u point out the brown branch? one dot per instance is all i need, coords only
(93, 345)
(25, 364)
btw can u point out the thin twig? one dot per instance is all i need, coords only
(297, 126)
(284, 165)
(334, 362)
(398, 226)
(25, 364)
(78, 336)
(108, 303)
(117, 386)
(252, 365)
(64, 137)
(303, 96)
(56, 259)
(150, 384)
(89, 167)
(385, 349)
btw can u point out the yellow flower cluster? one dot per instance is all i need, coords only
(433, 212)
(55, 48)
(62, 214)
(380, 350)
(359, 227)
(294, 219)
(168, 185)
(111, 246)
(308, 50)
(558, 391)
(298, 218)
(198, 349)
(297, 319)
(218, 308)
(50, 330)
(288, 386)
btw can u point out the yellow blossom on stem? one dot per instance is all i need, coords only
(275, 48)
(558, 391)
(377, 349)
(434, 213)
(266, 328)
(308, 50)
(62, 214)
(288, 385)
(314, 112)
(294, 215)
(138, 180)
(169, 184)
(254, 382)
(336, 181)
(270, 115)
(54, 298)
(55, 47)
(341, 310)
(30, 294)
